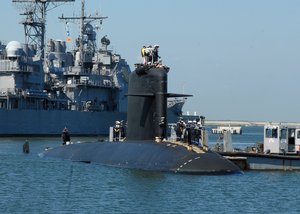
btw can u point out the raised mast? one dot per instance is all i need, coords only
(81, 48)
(83, 21)
(35, 21)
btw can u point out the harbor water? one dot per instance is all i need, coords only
(31, 184)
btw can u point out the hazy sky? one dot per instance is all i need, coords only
(239, 58)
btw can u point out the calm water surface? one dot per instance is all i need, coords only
(30, 184)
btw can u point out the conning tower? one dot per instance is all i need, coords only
(147, 103)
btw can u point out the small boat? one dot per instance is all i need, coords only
(279, 151)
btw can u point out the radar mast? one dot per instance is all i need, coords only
(35, 20)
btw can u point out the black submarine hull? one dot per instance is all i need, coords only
(145, 155)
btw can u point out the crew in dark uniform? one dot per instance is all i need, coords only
(188, 134)
(116, 131)
(180, 126)
(197, 133)
(65, 136)
(123, 130)
(155, 54)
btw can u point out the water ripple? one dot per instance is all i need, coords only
(30, 184)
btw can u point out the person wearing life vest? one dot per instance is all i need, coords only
(143, 54)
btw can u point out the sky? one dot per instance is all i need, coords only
(238, 58)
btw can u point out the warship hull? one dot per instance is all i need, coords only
(51, 123)
(28, 122)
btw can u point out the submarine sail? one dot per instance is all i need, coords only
(147, 102)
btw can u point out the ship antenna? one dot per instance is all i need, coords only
(82, 19)
(81, 31)
(35, 21)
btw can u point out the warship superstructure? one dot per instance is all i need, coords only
(44, 88)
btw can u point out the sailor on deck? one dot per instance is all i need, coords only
(180, 126)
(188, 133)
(65, 136)
(117, 131)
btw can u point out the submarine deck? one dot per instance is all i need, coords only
(145, 155)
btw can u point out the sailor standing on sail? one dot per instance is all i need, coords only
(148, 54)
(144, 54)
(155, 54)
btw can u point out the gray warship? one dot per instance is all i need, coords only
(44, 88)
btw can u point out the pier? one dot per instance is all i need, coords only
(246, 123)
(232, 129)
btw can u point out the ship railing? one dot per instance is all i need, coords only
(4, 92)
(103, 83)
(8, 65)
(12, 66)
(35, 93)
(77, 71)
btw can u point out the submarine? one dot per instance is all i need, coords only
(145, 146)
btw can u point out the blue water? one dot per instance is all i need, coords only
(30, 184)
